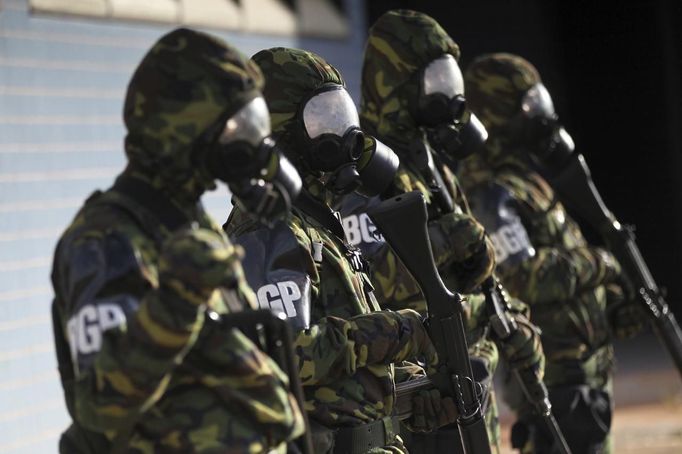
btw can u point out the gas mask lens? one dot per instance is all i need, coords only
(549, 143)
(332, 137)
(251, 124)
(441, 97)
(330, 112)
(443, 76)
(243, 148)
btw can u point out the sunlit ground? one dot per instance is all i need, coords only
(648, 393)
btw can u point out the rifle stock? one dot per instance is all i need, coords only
(403, 222)
(573, 183)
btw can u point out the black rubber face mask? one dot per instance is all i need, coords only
(540, 131)
(244, 156)
(452, 130)
(332, 141)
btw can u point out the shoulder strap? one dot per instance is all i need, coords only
(317, 210)
(152, 200)
(331, 220)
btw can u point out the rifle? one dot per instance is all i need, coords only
(533, 387)
(572, 180)
(402, 220)
(504, 326)
(272, 334)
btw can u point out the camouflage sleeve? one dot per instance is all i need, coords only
(125, 335)
(558, 274)
(334, 347)
(536, 275)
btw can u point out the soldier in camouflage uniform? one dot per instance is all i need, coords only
(403, 51)
(541, 253)
(143, 277)
(346, 346)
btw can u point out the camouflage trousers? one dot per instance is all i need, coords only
(583, 412)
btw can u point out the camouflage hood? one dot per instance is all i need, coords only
(496, 85)
(186, 85)
(400, 44)
(291, 77)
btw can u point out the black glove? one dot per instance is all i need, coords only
(626, 318)
(431, 411)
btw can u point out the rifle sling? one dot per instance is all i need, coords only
(170, 216)
(321, 213)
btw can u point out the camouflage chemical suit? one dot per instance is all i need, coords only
(346, 346)
(542, 256)
(145, 365)
(400, 45)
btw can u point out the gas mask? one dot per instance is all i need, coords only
(244, 156)
(452, 130)
(334, 145)
(538, 127)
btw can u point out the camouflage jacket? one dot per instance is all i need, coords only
(146, 364)
(544, 260)
(455, 238)
(345, 346)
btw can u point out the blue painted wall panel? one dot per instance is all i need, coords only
(19, 304)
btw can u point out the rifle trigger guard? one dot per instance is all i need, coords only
(467, 410)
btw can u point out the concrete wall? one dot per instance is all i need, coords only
(62, 82)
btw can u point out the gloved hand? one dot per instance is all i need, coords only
(413, 326)
(461, 246)
(593, 266)
(471, 272)
(611, 267)
(626, 319)
(194, 262)
(523, 349)
(430, 411)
